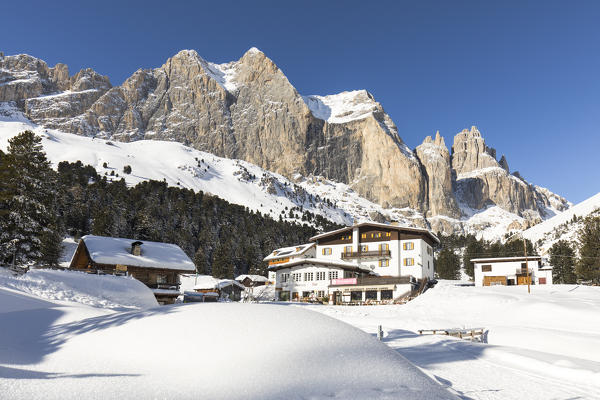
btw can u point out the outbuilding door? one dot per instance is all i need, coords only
(494, 280)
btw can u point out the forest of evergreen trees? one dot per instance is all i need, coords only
(39, 206)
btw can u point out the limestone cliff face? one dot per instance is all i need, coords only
(435, 157)
(247, 109)
(482, 181)
(49, 96)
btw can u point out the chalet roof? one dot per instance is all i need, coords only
(110, 250)
(378, 225)
(289, 251)
(207, 282)
(506, 259)
(253, 278)
(320, 262)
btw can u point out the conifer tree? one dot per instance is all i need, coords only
(447, 264)
(588, 267)
(28, 224)
(562, 259)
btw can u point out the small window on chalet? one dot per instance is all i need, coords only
(408, 246)
(378, 234)
(161, 278)
(523, 265)
(486, 268)
(333, 275)
(384, 263)
(347, 237)
(363, 236)
(384, 247)
(364, 248)
(388, 234)
(348, 249)
(326, 251)
(348, 274)
(409, 262)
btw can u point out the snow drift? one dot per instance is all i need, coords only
(106, 291)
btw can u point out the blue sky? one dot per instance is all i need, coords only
(526, 73)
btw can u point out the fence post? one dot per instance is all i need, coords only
(379, 333)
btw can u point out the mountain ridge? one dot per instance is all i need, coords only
(248, 109)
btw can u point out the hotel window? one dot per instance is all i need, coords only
(285, 277)
(429, 251)
(348, 249)
(296, 277)
(320, 293)
(409, 261)
(388, 234)
(308, 276)
(348, 237)
(408, 246)
(333, 275)
(161, 278)
(321, 276)
(364, 248)
(384, 247)
(363, 236)
(384, 263)
(486, 268)
(348, 274)
(378, 234)
(326, 251)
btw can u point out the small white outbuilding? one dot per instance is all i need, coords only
(511, 271)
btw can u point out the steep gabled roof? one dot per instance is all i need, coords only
(254, 278)
(289, 251)
(110, 250)
(379, 225)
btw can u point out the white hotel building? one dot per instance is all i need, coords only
(367, 262)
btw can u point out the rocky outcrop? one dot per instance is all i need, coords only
(247, 109)
(435, 157)
(48, 96)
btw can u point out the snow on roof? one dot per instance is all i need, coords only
(320, 261)
(255, 278)
(206, 282)
(506, 259)
(109, 250)
(289, 251)
(378, 224)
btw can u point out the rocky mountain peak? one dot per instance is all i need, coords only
(470, 153)
(504, 164)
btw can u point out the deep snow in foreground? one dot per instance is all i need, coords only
(213, 351)
(105, 291)
(543, 345)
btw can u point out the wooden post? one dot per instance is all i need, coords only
(526, 266)
(379, 333)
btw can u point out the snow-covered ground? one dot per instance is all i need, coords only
(103, 291)
(60, 350)
(543, 345)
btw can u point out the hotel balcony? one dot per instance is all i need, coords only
(349, 255)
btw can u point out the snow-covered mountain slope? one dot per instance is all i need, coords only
(563, 226)
(238, 181)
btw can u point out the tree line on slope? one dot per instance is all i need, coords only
(38, 206)
(456, 251)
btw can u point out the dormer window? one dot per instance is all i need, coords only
(136, 248)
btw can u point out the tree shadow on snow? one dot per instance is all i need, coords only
(28, 333)
(17, 373)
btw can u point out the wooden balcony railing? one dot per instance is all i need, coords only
(366, 254)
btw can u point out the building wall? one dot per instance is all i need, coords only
(303, 285)
(506, 268)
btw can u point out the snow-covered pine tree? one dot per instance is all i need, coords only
(28, 224)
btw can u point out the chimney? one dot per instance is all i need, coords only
(136, 248)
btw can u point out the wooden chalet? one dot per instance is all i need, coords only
(155, 264)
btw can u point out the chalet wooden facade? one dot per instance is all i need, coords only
(155, 264)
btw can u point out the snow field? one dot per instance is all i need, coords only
(539, 346)
(216, 351)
